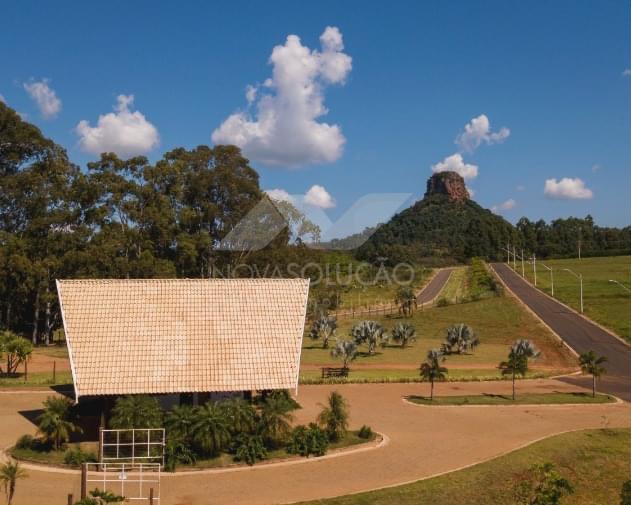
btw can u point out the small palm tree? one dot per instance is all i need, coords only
(136, 411)
(210, 430)
(370, 333)
(346, 350)
(56, 424)
(334, 417)
(592, 364)
(10, 473)
(241, 415)
(516, 364)
(460, 337)
(432, 370)
(179, 422)
(406, 300)
(323, 327)
(403, 333)
(276, 418)
(526, 348)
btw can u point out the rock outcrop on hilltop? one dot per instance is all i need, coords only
(448, 183)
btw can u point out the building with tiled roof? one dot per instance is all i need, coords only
(169, 336)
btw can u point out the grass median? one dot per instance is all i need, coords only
(521, 399)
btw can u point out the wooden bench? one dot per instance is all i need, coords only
(328, 372)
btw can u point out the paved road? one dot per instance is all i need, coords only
(435, 286)
(581, 334)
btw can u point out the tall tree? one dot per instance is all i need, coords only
(432, 369)
(593, 365)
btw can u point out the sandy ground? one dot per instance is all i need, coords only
(424, 441)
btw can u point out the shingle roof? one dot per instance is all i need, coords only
(183, 335)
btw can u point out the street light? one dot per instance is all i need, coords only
(580, 278)
(551, 276)
(621, 285)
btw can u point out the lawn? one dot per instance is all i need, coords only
(605, 302)
(455, 289)
(596, 462)
(37, 379)
(520, 399)
(53, 457)
(498, 321)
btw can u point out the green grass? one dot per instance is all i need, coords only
(53, 351)
(520, 399)
(604, 302)
(455, 289)
(596, 462)
(52, 457)
(498, 321)
(37, 379)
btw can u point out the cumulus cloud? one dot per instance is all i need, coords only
(507, 205)
(44, 96)
(627, 72)
(567, 189)
(478, 131)
(285, 130)
(280, 195)
(319, 197)
(455, 163)
(470, 190)
(123, 132)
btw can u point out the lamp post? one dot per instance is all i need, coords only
(551, 276)
(580, 278)
(523, 272)
(620, 284)
(534, 267)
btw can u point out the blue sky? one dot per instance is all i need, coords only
(408, 79)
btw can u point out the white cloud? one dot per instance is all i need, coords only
(477, 131)
(507, 205)
(319, 197)
(2, 99)
(568, 189)
(471, 191)
(285, 131)
(455, 163)
(45, 97)
(521, 187)
(627, 72)
(123, 132)
(250, 93)
(280, 195)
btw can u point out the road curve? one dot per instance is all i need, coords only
(579, 333)
(434, 287)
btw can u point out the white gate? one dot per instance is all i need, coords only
(132, 445)
(134, 481)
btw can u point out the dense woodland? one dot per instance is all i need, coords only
(134, 219)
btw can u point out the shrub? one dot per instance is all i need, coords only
(365, 432)
(75, 456)
(442, 302)
(308, 440)
(249, 448)
(177, 451)
(136, 411)
(25, 442)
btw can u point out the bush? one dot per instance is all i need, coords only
(442, 302)
(177, 452)
(75, 456)
(365, 432)
(25, 442)
(308, 440)
(250, 448)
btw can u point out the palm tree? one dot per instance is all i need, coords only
(526, 348)
(432, 370)
(406, 300)
(323, 327)
(179, 422)
(370, 333)
(334, 417)
(346, 350)
(592, 364)
(240, 414)
(136, 411)
(516, 364)
(210, 430)
(461, 338)
(10, 473)
(55, 423)
(403, 333)
(276, 418)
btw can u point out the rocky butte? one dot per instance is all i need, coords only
(449, 184)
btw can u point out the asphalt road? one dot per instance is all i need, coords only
(435, 286)
(580, 334)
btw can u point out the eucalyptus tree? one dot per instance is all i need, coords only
(432, 369)
(592, 364)
(403, 333)
(323, 328)
(370, 333)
